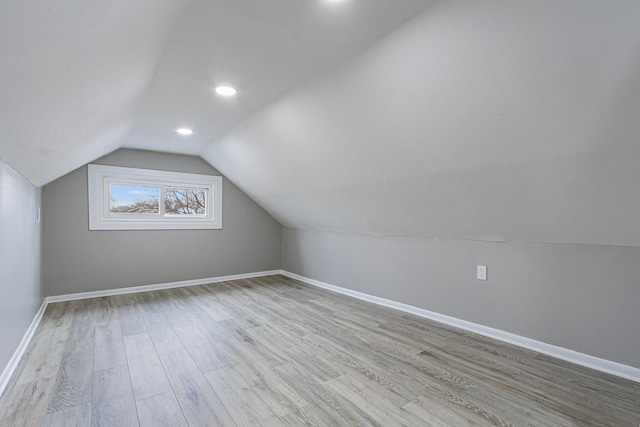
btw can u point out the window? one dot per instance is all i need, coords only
(141, 199)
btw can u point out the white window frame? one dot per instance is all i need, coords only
(101, 218)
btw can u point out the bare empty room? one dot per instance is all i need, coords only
(319, 213)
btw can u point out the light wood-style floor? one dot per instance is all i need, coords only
(275, 352)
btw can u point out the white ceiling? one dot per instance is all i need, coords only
(492, 120)
(72, 74)
(82, 78)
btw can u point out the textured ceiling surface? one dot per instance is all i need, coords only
(493, 120)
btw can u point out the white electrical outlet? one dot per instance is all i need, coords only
(37, 215)
(481, 272)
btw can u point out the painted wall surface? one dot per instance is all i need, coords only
(491, 120)
(78, 260)
(20, 295)
(580, 297)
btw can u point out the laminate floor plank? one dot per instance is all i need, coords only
(58, 315)
(171, 309)
(106, 309)
(147, 374)
(526, 380)
(240, 400)
(614, 391)
(209, 305)
(444, 376)
(401, 384)
(277, 393)
(337, 311)
(109, 346)
(44, 361)
(200, 404)
(76, 416)
(442, 415)
(365, 397)
(283, 320)
(164, 338)
(315, 362)
(275, 351)
(212, 329)
(42, 332)
(331, 407)
(484, 394)
(161, 410)
(28, 404)
(74, 381)
(206, 355)
(260, 344)
(113, 403)
(308, 416)
(240, 352)
(231, 297)
(147, 304)
(131, 322)
(526, 401)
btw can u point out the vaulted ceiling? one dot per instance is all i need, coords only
(492, 120)
(80, 78)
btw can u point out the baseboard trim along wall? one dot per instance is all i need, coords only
(149, 288)
(22, 347)
(592, 362)
(603, 365)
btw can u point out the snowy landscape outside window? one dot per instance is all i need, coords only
(137, 199)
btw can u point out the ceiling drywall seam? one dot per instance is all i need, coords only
(454, 239)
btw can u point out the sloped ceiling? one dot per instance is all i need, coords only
(475, 120)
(263, 48)
(492, 120)
(80, 79)
(71, 75)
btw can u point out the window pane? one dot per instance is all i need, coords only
(134, 199)
(185, 201)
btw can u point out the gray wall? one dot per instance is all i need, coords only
(581, 297)
(78, 260)
(19, 259)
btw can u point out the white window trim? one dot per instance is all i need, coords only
(99, 215)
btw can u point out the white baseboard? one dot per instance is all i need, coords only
(17, 355)
(149, 288)
(603, 365)
(26, 339)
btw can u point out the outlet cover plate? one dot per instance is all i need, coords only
(481, 273)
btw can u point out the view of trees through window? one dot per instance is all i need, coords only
(184, 201)
(134, 199)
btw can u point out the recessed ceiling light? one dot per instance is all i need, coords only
(225, 91)
(184, 131)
